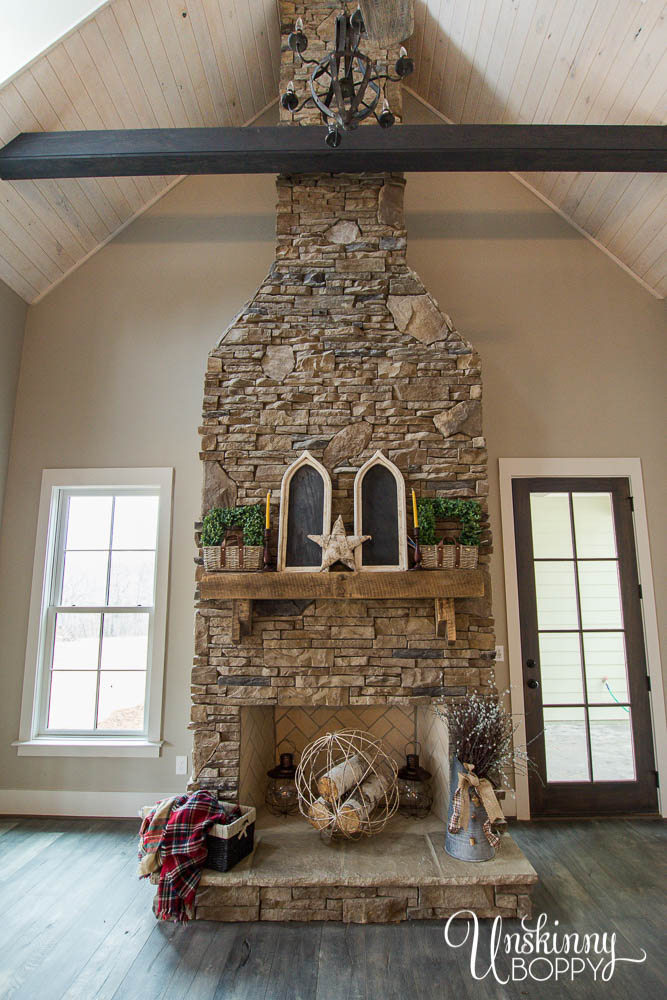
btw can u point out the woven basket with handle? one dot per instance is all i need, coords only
(232, 555)
(443, 556)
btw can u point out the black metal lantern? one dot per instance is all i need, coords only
(281, 796)
(415, 796)
(345, 86)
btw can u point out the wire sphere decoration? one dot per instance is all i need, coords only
(347, 785)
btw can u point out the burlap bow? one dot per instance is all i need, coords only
(460, 818)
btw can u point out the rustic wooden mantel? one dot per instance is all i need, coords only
(441, 585)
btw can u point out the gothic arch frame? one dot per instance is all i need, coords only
(379, 459)
(304, 459)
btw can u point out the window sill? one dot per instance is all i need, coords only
(80, 747)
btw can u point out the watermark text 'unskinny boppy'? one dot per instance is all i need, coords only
(535, 952)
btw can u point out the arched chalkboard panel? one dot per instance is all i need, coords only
(379, 517)
(305, 516)
(379, 511)
(305, 509)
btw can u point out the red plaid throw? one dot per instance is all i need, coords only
(183, 852)
(152, 832)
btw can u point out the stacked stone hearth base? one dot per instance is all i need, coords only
(401, 874)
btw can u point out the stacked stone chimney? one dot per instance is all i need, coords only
(342, 351)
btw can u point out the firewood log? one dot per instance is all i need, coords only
(333, 785)
(361, 803)
(320, 815)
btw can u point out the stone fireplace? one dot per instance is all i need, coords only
(341, 352)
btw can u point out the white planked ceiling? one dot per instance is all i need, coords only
(133, 64)
(589, 62)
(159, 63)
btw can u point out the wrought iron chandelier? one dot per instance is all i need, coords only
(345, 86)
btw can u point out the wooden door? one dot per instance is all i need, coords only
(586, 686)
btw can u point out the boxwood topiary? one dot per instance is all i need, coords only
(467, 512)
(220, 519)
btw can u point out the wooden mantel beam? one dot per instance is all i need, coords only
(341, 586)
(281, 149)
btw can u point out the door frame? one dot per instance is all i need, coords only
(535, 468)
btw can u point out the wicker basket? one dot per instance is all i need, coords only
(230, 843)
(449, 556)
(232, 555)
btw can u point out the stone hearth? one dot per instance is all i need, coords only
(401, 874)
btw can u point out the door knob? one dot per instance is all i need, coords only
(532, 684)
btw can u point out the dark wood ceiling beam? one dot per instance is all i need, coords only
(284, 149)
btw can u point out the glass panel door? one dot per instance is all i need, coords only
(584, 665)
(577, 592)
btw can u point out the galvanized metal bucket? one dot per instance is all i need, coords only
(470, 844)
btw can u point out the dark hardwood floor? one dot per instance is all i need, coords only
(77, 925)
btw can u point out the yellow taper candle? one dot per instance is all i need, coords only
(268, 510)
(414, 510)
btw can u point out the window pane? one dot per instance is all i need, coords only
(600, 595)
(606, 672)
(85, 578)
(88, 523)
(132, 578)
(565, 744)
(125, 642)
(552, 532)
(122, 695)
(135, 522)
(611, 744)
(72, 703)
(556, 598)
(77, 642)
(560, 667)
(594, 525)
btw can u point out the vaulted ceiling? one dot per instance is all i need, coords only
(162, 63)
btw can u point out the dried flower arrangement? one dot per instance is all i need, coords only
(481, 733)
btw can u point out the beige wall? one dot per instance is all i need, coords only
(573, 354)
(12, 321)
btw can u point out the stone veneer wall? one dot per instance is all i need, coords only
(341, 351)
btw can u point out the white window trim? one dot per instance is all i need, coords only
(30, 742)
(534, 468)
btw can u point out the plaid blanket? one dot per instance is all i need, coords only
(183, 853)
(152, 831)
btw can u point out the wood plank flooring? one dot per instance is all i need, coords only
(77, 925)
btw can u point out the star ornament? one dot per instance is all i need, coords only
(338, 547)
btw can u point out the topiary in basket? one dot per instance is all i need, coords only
(449, 553)
(232, 538)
